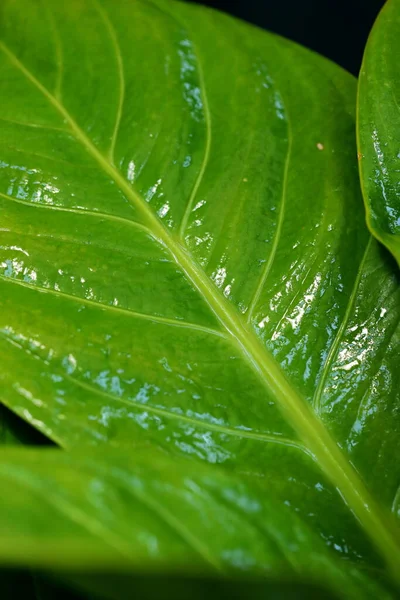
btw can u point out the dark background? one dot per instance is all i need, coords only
(337, 29)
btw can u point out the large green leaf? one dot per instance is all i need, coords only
(379, 128)
(185, 265)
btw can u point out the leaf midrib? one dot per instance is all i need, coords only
(295, 409)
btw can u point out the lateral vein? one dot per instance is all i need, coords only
(82, 212)
(162, 412)
(116, 309)
(206, 157)
(278, 231)
(121, 76)
(316, 402)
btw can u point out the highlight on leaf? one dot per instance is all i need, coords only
(192, 307)
(378, 124)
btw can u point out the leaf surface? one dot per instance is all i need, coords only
(97, 513)
(185, 267)
(379, 127)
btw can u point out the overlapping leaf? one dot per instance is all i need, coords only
(379, 128)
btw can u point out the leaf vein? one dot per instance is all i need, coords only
(35, 125)
(116, 309)
(207, 150)
(313, 431)
(278, 231)
(316, 402)
(82, 518)
(58, 51)
(83, 212)
(162, 412)
(121, 77)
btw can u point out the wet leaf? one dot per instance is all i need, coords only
(186, 274)
(379, 127)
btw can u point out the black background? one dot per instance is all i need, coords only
(337, 29)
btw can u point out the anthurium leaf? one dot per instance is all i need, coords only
(185, 266)
(153, 511)
(379, 127)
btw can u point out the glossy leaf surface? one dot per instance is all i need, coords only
(185, 265)
(379, 128)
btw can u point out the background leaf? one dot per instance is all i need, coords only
(379, 126)
(63, 511)
(15, 584)
(186, 274)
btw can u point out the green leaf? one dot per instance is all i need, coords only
(186, 271)
(93, 513)
(379, 126)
